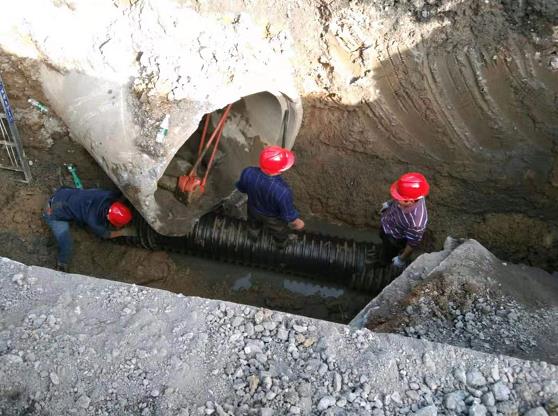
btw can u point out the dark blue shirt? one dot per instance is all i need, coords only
(267, 195)
(87, 207)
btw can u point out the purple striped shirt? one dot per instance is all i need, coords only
(407, 223)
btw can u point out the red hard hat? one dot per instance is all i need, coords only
(275, 159)
(119, 214)
(410, 186)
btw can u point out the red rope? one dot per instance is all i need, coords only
(190, 182)
(210, 141)
(214, 152)
(202, 141)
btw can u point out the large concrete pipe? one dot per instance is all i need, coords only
(113, 74)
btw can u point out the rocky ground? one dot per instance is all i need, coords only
(465, 296)
(71, 344)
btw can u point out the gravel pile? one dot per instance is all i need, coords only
(491, 325)
(464, 296)
(76, 345)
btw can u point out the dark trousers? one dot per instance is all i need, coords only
(61, 231)
(278, 229)
(390, 247)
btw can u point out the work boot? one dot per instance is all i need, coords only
(62, 267)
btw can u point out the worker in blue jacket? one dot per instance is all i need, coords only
(270, 199)
(99, 210)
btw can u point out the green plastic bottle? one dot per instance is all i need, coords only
(73, 171)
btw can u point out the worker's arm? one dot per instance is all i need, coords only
(406, 252)
(289, 213)
(123, 232)
(414, 237)
(240, 183)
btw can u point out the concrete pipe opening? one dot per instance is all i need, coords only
(253, 122)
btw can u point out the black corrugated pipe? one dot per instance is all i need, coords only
(346, 262)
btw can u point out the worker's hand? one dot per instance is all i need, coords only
(297, 224)
(398, 262)
(385, 206)
(127, 232)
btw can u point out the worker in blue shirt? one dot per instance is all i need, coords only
(270, 199)
(97, 209)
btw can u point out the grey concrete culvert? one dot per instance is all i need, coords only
(71, 344)
(113, 75)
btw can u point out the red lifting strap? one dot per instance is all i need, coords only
(190, 182)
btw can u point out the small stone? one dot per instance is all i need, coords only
(305, 390)
(477, 410)
(253, 348)
(155, 393)
(270, 325)
(475, 378)
(337, 382)
(267, 382)
(300, 328)
(342, 402)
(237, 321)
(83, 401)
(18, 279)
(283, 334)
(452, 400)
(295, 410)
(488, 399)
(326, 402)
(266, 411)
(537, 411)
(54, 378)
(396, 397)
(249, 329)
(308, 342)
(554, 62)
(258, 317)
(431, 410)
(459, 375)
(507, 408)
(501, 391)
(253, 382)
(413, 395)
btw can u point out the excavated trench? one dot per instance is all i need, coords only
(465, 92)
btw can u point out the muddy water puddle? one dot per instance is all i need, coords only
(197, 276)
(263, 288)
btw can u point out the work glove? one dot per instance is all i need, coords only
(398, 262)
(385, 206)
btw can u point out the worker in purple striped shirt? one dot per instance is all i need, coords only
(403, 219)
